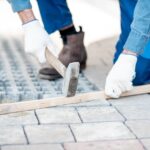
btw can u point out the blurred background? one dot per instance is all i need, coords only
(99, 18)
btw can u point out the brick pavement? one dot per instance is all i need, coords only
(121, 124)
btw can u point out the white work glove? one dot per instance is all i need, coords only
(120, 77)
(36, 40)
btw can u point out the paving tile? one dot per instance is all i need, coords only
(135, 112)
(33, 147)
(91, 103)
(141, 128)
(101, 131)
(146, 143)
(12, 135)
(96, 114)
(58, 115)
(106, 145)
(48, 134)
(132, 100)
(22, 118)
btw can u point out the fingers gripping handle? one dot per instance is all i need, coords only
(51, 59)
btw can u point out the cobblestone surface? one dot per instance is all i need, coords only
(19, 80)
(12, 135)
(106, 145)
(33, 147)
(48, 134)
(113, 125)
(22, 118)
(101, 131)
(58, 115)
(141, 128)
(99, 114)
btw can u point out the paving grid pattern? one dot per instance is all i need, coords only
(110, 125)
(19, 80)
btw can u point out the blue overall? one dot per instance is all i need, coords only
(143, 65)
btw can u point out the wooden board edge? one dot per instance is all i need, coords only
(58, 101)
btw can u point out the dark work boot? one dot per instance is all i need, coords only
(73, 51)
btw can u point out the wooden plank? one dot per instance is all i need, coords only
(57, 101)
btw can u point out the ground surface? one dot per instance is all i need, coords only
(122, 124)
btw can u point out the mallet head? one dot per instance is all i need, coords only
(71, 79)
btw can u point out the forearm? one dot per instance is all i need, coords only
(140, 28)
(26, 16)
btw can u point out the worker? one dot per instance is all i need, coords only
(131, 61)
(56, 16)
(132, 57)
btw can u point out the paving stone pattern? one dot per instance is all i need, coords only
(19, 77)
(121, 124)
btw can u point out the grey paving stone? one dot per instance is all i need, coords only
(19, 76)
(135, 112)
(91, 103)
(141, 128)
(101, 131)
(22, 118)
(106, 145)
(12, 135)
(48, 134)
(132, 100)
(146, 143)
(33, 147)
(96, 114)
(58, 115)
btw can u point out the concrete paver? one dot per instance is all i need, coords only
(141, 128)
(146, 143)
(135, 112)
(22, 118)
(58, 115)
(96, 114)
(33, 147)
(101, 131)
(12, 135)
(106, 145)
(48, 134)
(96, 103)
(132, 101)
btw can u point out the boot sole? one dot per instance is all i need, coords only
(57, 76)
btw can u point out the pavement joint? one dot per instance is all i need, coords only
(37, 117)
(25, 135)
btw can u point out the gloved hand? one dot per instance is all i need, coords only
(36, 40)
(120, 77)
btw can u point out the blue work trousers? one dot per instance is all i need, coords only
(127, 8)
(55, 14)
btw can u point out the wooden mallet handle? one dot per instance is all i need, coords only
(56, 63)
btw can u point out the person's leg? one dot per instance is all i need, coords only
(57, 16)
(143, 63)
